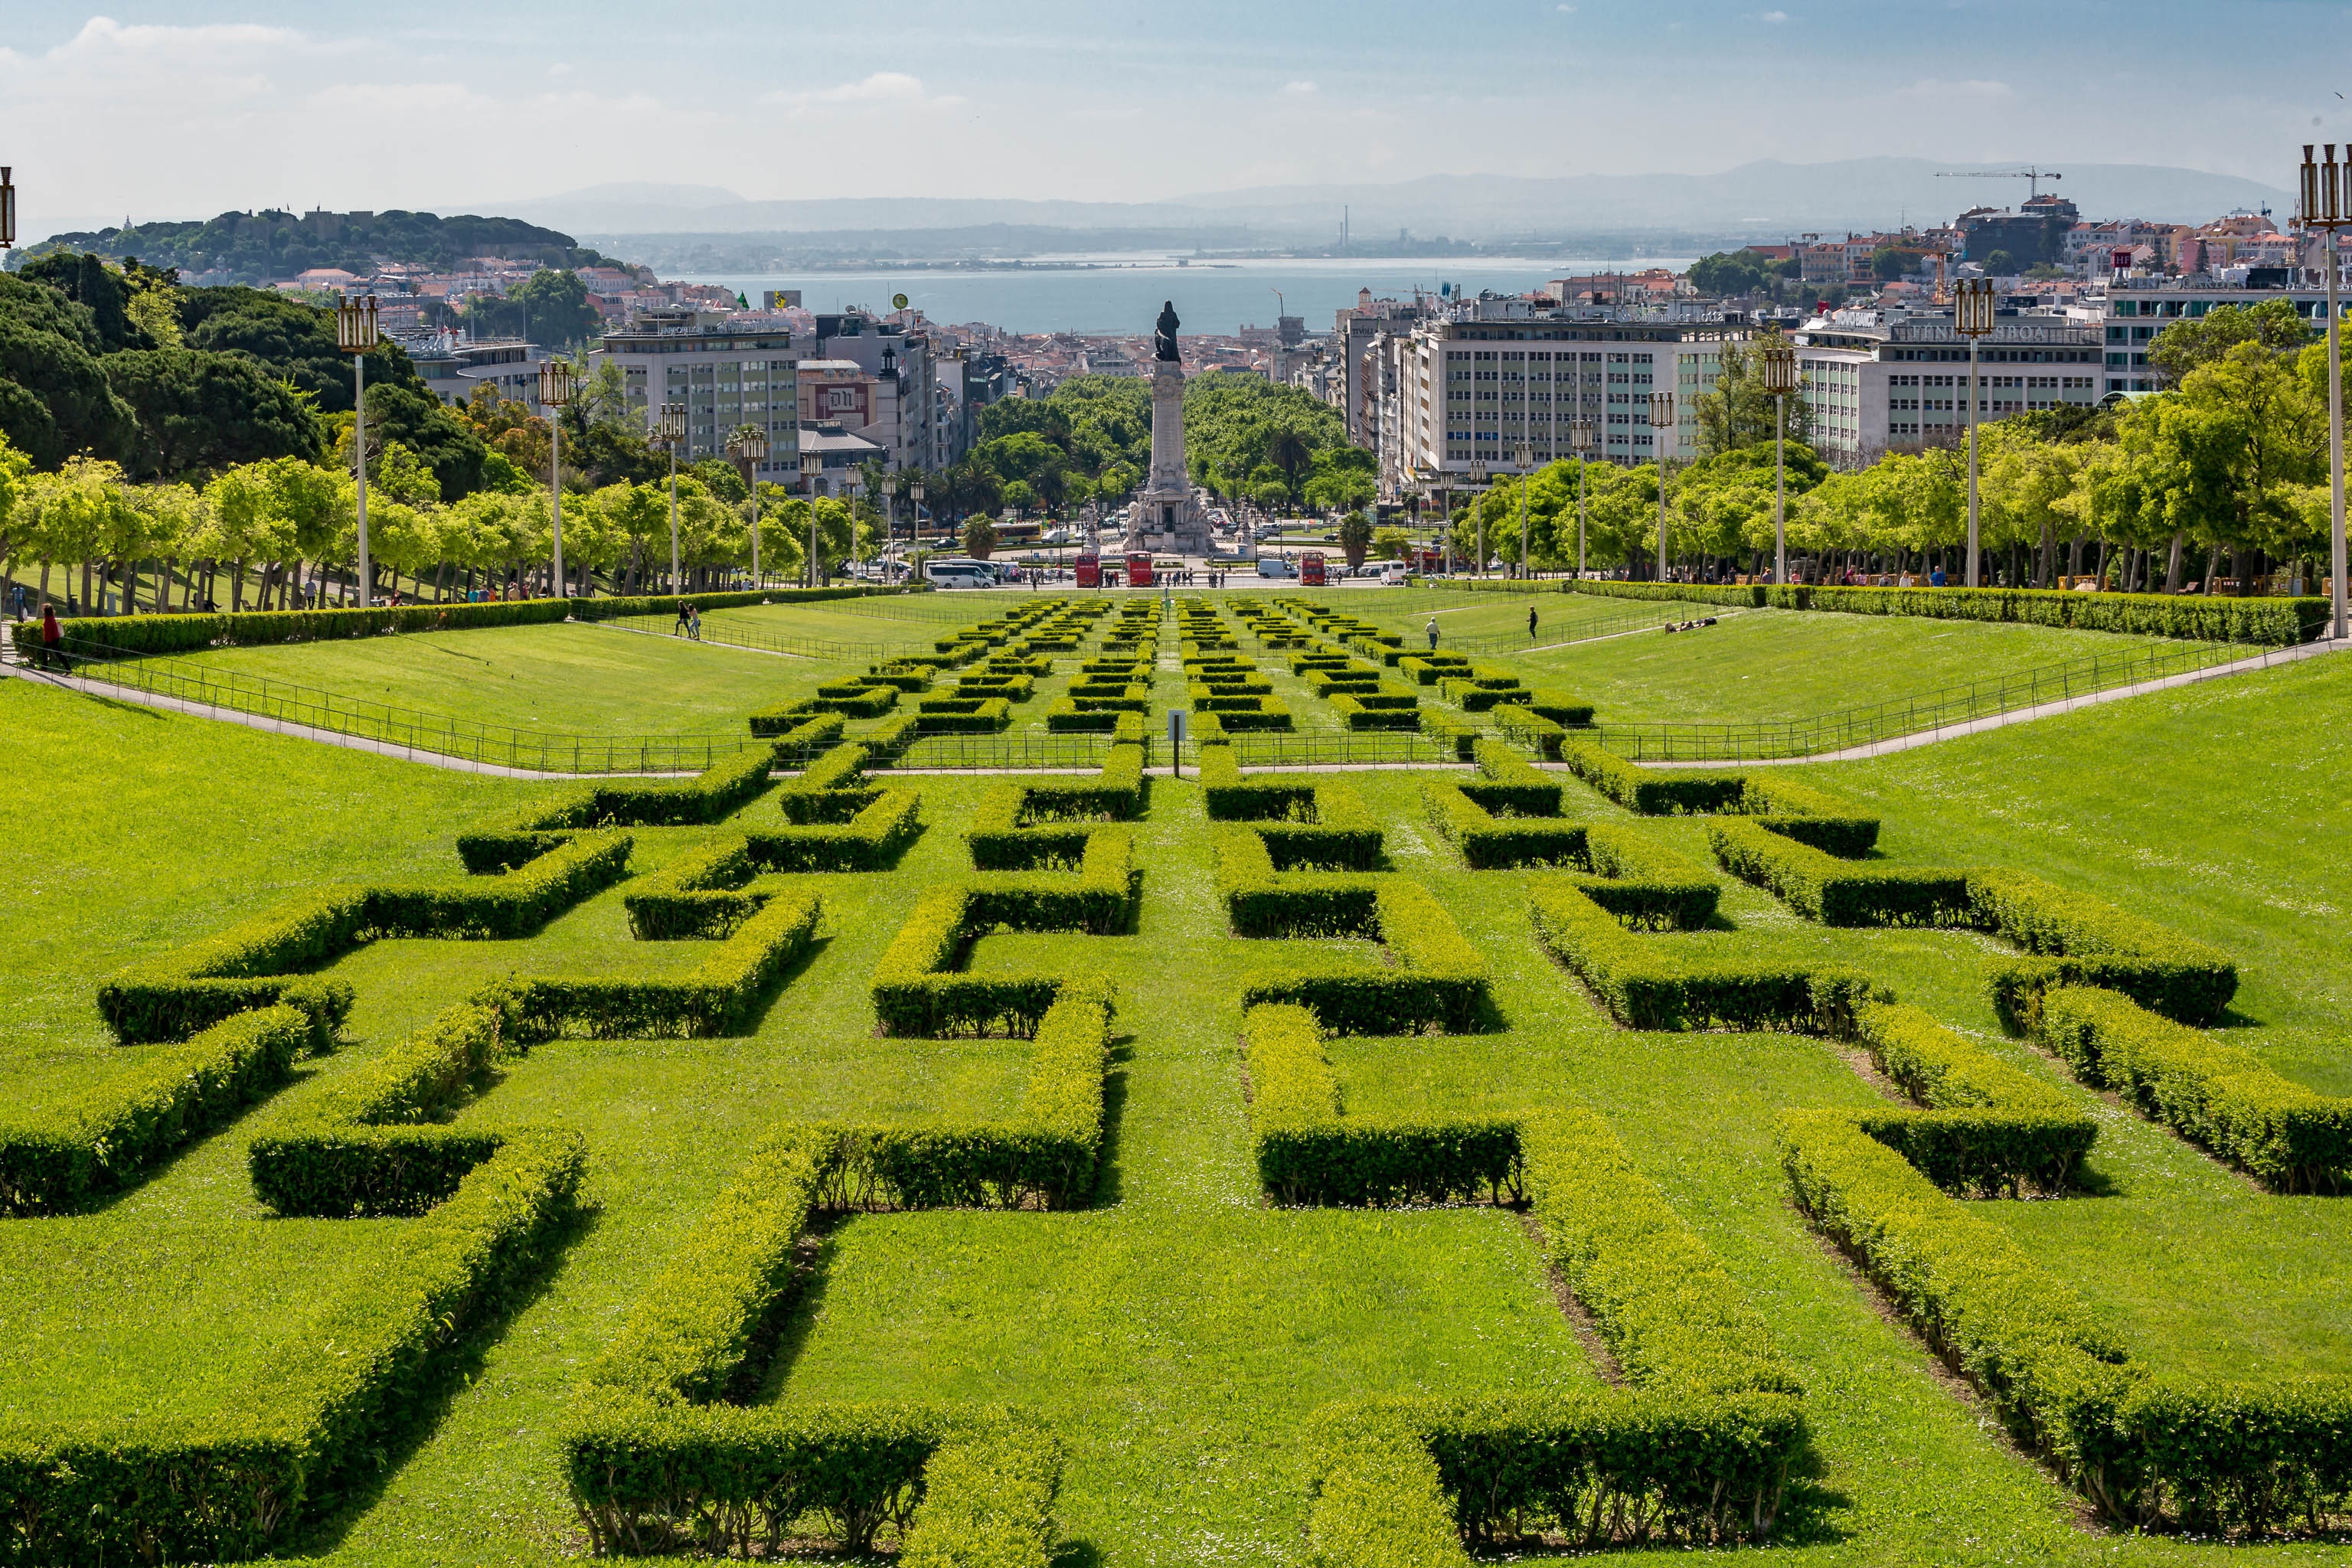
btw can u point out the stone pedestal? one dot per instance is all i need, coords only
(1165, 515)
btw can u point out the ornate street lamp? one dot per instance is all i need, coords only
(748, 447)
(1777, 363)
(7, 209)
(811, 465)
(1525, 458)
(555, 387)
(1662, 420)
(669, 430)
(2325, 206)
(1579, 441)
(1477, 489)
(355, 335)
(1972, 319)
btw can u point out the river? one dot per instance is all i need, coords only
(1122, 293)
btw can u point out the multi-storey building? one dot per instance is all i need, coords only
(729, 371)
(1497, 374)
(2128, 312)
(1354, 330)
(1889, 380)
(453, 366)
(904, 360)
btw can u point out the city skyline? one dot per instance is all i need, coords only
(158, 112)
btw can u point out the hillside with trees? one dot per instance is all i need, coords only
(265, 247)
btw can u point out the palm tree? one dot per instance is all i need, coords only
(1290, 454)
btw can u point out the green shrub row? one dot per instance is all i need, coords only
(914, 988)
(711, 795)
(964, 715)
(1439, 982)
(710, 893)
(1525, 727)
(1561, 707)
(1374, 713)
(2145, 1450)
(1428, 669)
(722, 995)
(186, 633)
(246, 966)
(318, 1417)
(1487, 842)
(2073, 938)
(905, 676)
(1644, 987)
(1988, 1127)
(1307, 1153)
(1508, 785)
(57, 1160)
(831, 788)
(2221, 1096)
(1837, 892)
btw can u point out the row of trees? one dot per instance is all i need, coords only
(2224, 475)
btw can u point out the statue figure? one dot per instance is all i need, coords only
(1163, 337)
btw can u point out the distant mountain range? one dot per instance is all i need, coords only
(1764, 200)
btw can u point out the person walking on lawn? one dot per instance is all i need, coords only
(1433, 633)
(53, 638)
(1531, 623)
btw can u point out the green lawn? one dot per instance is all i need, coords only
(1176, 1332)
(564, 680)
(1761, 666)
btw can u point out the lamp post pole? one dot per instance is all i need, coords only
(1780, 364)
(914, 518)
(1972, 319)
(1477, 490)
(1662, 420)
(1526, 458)
(748, 447)
(2325, 209)
(671, 433)
(355, 335)
(554, 395)
(1580, 440)
(811, 465)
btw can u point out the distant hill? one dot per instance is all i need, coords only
(1760, 200)
(264, 247)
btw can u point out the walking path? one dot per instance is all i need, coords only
(2268, 659)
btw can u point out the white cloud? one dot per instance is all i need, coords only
(1565, 10)
(1977, 88)
(1300, 89)
(882, 87)
(1775, 17)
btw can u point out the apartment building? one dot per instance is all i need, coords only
(1493, 375)
(730, 370)
(1892, 380)
(2128, 312)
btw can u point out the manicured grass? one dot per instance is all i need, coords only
(566, 679)
(1176, 1333)
(1762, 666)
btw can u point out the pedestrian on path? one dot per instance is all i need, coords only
(1433, 633)
(1531, 623)
(681, 618)
(53, 638)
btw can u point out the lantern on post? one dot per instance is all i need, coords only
(1776, 363)
(2326, 201)
(355, 335)
(749, 448)
(812, 465)
(555, 388)
(1662, 420)
(669, 430)
(1972, 315)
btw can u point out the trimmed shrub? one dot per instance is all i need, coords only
(1377, 712)
(104, 1139)
(1988, 1127)
(1508, 784)
(318, 1415)
(1488, 843)
(1439, 986)
(722, 995)
(832, 788)
(2077, 940)
(964, 715)
(1644, 988)
(1644, 789)
(1561, 707)
(1528, 727)
(2221, 1096)
(1839, 892)
(1307, 1154)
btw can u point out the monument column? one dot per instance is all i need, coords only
(1163, 515)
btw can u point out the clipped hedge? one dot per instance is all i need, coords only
(722, 995)
(2221, 1096)
(1490, 842)
(714, 792)
(1541, 734)
(186, 633)
(1307, 1153)
(1988, 1127)
(317, 1416)
(1839, 892)
(245, 967)
(2073, 938)
(1439, 985)
(1376, 712)
(831, 788)
(56, 1160)
(1644, 987)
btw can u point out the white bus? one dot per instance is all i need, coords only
(959, 573)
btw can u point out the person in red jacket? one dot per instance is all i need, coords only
(53, 638)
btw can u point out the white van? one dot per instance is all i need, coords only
(1392, 575)
(960, 574)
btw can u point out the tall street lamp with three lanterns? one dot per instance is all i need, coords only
(1662, 420)
(1972, 313)
(669, 429)
(2327, 206)
(555, 387)
(1777, 361)
(749, 448)
(355, 335)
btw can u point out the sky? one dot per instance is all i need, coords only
(155, 111)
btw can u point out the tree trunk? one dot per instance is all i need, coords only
(2172, 566)
(2212, 570)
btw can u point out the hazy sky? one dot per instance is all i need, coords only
(174, 111)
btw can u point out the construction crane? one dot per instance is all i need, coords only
(2033, 176)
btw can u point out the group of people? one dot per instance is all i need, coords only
(689, 621)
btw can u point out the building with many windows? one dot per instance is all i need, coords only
(2128, 312)
(1892, 380)
(729, 371)
(1494, 375)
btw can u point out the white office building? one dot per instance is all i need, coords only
(1888, 380)
(729, 371)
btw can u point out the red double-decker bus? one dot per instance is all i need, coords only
(1138, 570)
(1091, 571)
(1310, 569)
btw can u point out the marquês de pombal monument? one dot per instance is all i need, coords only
(1164, 515)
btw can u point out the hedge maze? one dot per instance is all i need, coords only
(1357, 1169)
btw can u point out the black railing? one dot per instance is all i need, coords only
(735, 633)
